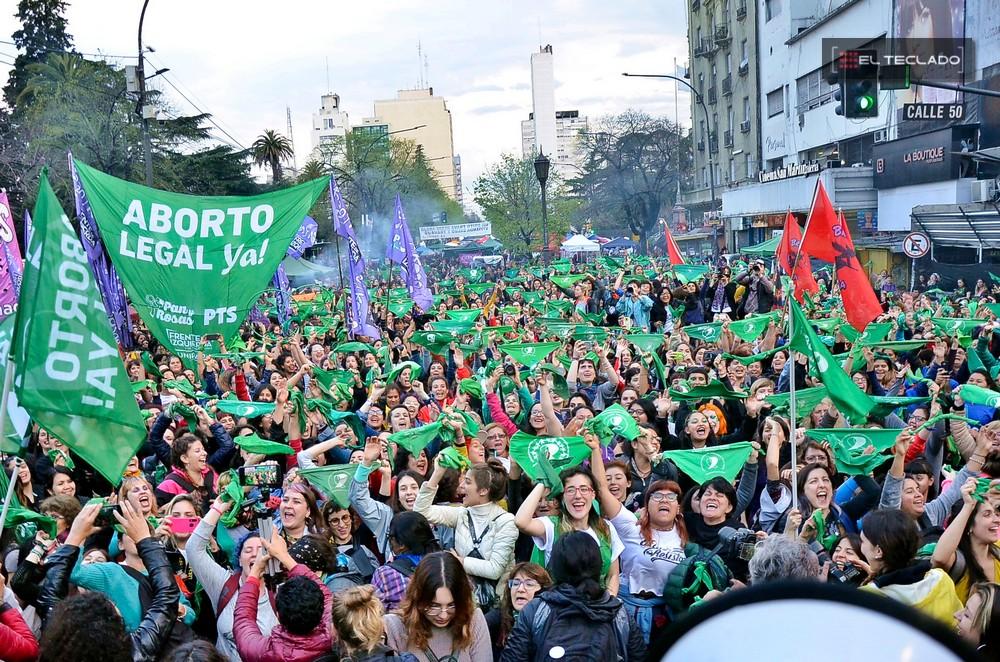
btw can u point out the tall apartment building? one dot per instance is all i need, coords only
(722, 42)
(567, 156)
(329, 127)
(420, 116)
(543, 100)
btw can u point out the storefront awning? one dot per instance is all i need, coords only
(764, 248)
(971, 225)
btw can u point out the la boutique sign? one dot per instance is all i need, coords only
(789, 171)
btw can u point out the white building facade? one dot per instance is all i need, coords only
(329, 128)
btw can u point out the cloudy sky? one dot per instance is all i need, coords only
(244, 61)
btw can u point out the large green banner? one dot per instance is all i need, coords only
(194, 265)
(69, 376)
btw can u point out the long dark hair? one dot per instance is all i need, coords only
(576, 561)
(413, 532)
(972, 568)
(438, 570)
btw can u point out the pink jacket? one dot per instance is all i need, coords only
(499, 415)
(280, 646)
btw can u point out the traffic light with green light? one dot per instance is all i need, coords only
(859, 84)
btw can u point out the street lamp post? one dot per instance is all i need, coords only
(708, 122)
(542, 173)
(147, 148)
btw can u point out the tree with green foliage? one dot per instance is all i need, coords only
(371, 168)
(511, 200)
(633, 167)
(270, 149)
(70, 103)
(43, 32)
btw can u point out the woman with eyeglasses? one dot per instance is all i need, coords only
(654, 544)
(577, 514)
(526, 581)
(438, 620)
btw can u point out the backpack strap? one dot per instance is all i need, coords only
(228, 592)
(361, 560)
(403, 566)
(231, 588)
(478, 538)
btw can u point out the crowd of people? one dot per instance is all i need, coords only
(464, 489)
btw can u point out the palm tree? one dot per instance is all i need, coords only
(270, 149)
(313, 169)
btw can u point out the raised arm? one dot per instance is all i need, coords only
(945, 552)
(525, 519)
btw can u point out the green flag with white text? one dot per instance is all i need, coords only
(194, 265)
(69, 376)
(703, 464)
(563, 452)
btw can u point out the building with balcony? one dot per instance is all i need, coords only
(723, 51)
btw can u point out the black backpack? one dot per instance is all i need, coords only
(579, 639)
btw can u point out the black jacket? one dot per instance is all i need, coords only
(154, 629)
(578, 618)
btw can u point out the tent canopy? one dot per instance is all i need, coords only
(764, 248)
(621, 243)
(580, 244)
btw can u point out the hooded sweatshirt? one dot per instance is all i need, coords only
(583, 622)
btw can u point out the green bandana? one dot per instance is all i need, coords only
(353, 346)
(749, 329)
(714, 389)
(806, 400)
(857, 451)
(646, 342)
(450, 458)
(464, 315)
(563, 452)
(613, 421)
(529, 354)
(245, 409)
(399, 367)
(416, 439)
(705, 332)
(334, 481)
(251, 443)
(703, 464)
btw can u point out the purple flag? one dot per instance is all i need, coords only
(112, 292)
(283, 294)
(10, 260)
(402, 251)
(304, 238)
(359, 308)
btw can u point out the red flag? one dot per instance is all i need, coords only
(673, 252)
(801, 272)
(860, 301)
(821, 227)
